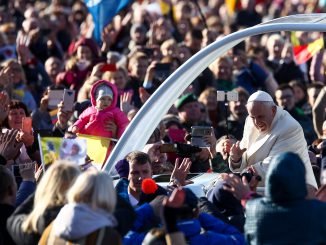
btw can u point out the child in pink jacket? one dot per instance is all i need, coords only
(93, 120)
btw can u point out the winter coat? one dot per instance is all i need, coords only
(76, 221)
(92, 120)
(284, 216)
(100, 237)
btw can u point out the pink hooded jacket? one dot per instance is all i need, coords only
(92, 120)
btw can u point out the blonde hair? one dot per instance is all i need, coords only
(208, 91)
(225, 58)
(7, 26)
(108, 75)
(94, 189)
(51, 191)
(10, 62)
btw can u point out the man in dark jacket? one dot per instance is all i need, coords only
(284, 215)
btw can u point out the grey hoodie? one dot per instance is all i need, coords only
(76, 221)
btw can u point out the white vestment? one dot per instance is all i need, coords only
(285, 135)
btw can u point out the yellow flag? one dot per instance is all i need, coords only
(97, 148)
(165, 7)
(230, 6)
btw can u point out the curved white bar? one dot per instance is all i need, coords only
(146, 120)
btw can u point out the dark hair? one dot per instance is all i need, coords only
(138, 157)
(155, 136)
(296, 83)
(317, 85)
(196, 34)
(283, 87)
(15, 104)
(242, 92)
(6, 180)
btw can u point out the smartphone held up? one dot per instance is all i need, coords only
(27, 125)
(198, 134)
(68, 100)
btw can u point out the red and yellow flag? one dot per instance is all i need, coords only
(302, 53)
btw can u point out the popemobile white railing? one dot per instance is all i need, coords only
(151, 113)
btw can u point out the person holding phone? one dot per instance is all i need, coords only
(18, 118)
(103, 118)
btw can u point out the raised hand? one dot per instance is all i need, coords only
(112, 127)
(44, 103)
(181, 171)
(26, 138)
(22, 43)
(63, 116)
(9, 147)
(236, 152)
(176, 199)
(171, 207)
(108, 36)
(143, 94)
(125, 102)
(238, 187)
(224, 147)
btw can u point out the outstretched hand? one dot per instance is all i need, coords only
(125, 102)
(236, 152)
(181, 171)
(238, 187)
(9, 147)
(171, 208)
(22, 46)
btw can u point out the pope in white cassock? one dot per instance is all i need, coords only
(269, 130)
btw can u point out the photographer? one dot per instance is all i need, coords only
(158, 159)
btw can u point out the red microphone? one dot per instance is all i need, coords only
(149, 186)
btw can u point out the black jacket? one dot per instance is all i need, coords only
(5, 211)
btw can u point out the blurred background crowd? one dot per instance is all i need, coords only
(61, 44)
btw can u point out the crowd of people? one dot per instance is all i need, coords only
(269, 148)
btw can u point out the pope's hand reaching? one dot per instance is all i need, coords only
(236, 152)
